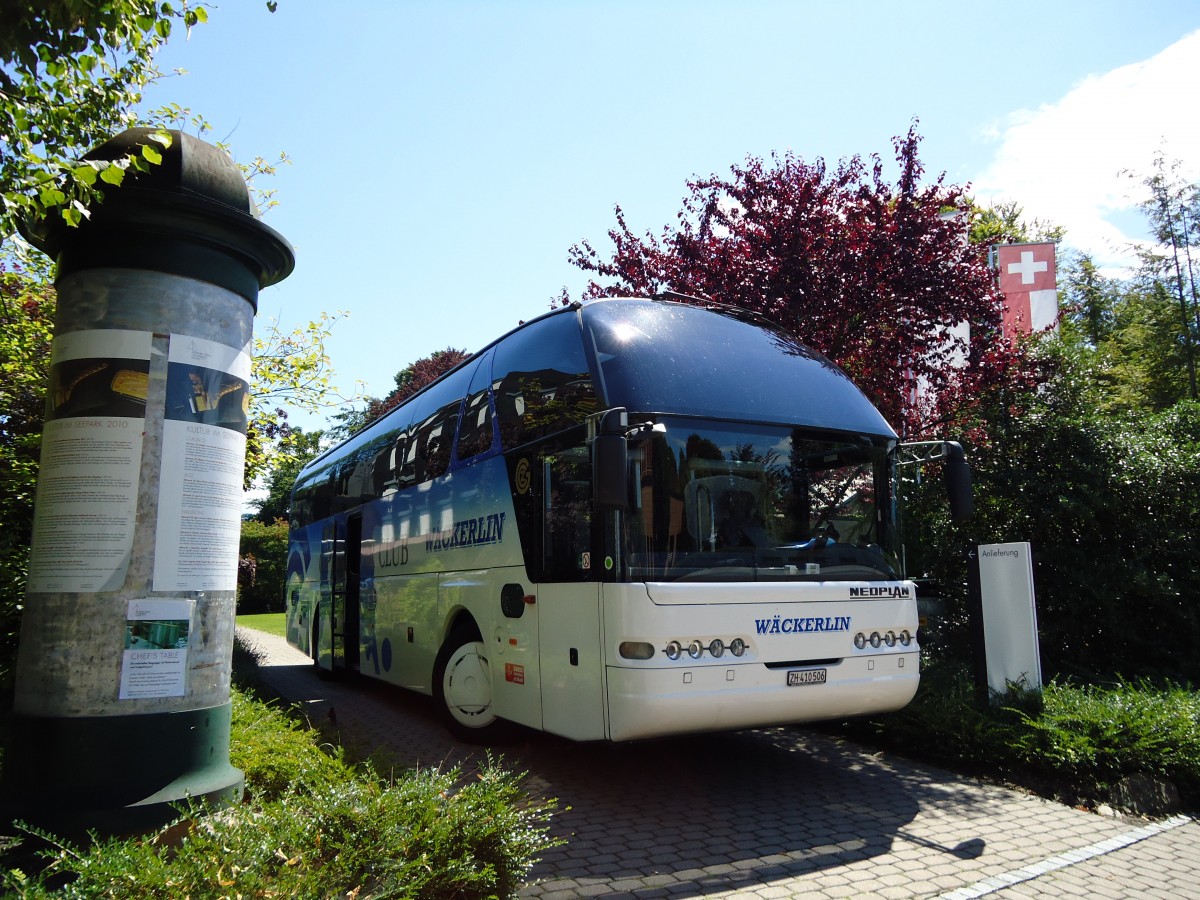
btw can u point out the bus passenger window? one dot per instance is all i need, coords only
(541, 381)
(476, 433)
(475, 429)
(433, 442)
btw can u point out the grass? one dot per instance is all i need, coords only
(271, 623)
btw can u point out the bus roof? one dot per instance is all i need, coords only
(719, 363)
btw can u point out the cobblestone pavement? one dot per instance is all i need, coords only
(773, 813)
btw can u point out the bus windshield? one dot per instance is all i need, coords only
(760, 503)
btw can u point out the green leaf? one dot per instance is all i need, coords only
(112, 174)
(151, 155)
(84, 174)
(51, 196)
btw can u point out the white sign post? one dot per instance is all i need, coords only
(1009, 616)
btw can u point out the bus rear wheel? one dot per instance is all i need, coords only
(462, 687)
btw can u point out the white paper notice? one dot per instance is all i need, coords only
(91, 461)
(156, 641)
(204, 450)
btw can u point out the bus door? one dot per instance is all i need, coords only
(345, 592)
(516, 680)
(568, 600)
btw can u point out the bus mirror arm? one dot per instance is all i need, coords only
(645, 429)
(955, 470)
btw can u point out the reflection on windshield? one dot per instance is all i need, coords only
(743, 503)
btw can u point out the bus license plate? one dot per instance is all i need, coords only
(806, 676)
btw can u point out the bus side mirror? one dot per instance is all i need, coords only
(957, 472)
(610, 461)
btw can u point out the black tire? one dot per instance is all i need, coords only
(462, 689)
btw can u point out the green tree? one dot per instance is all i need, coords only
(72, 74)
(1109, 501)
(1173, 212)
(26, 318)
(409, 380)
(262, 564)
(279, 481)
(290, 370)
(1005, 223)
(1091, 299)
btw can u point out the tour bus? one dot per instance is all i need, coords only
(624, 519)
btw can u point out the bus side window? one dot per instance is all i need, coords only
(322, 496)
(432, 441)
(541, 381)
(476, 433)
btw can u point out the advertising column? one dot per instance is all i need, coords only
(122, 705)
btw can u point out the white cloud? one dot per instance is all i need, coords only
(1063, 162)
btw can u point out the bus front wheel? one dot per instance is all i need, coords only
(462, 687)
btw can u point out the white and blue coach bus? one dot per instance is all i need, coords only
(623, 519)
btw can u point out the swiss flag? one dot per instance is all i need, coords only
(1026, 267)
(1030, 286)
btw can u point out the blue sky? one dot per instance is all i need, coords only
(445, 155)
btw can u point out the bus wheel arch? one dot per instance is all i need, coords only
(462, 686)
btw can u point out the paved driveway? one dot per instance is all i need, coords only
(779, 812)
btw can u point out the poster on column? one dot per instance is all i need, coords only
(154, 663)
(91, 461)
(203, 453)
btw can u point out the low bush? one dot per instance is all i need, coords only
(314, 826)
(1071, 742)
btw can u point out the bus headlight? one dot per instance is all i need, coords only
(876, 639)
(737, 646)
(673, 650)
(860, 641)
(890, 639)
(905, 638)
(636, 650)
(716, 647)
(695, 649)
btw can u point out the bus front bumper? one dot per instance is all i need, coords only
(647, 702)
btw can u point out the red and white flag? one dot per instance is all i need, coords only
(1029, 282)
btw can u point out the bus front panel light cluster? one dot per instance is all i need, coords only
(876, 640)
(695, 648)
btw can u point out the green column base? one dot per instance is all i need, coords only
(116, 774)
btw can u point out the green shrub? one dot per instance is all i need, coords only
(276, 752)
(314, 827)
(1071, 742)
(1098, 735)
